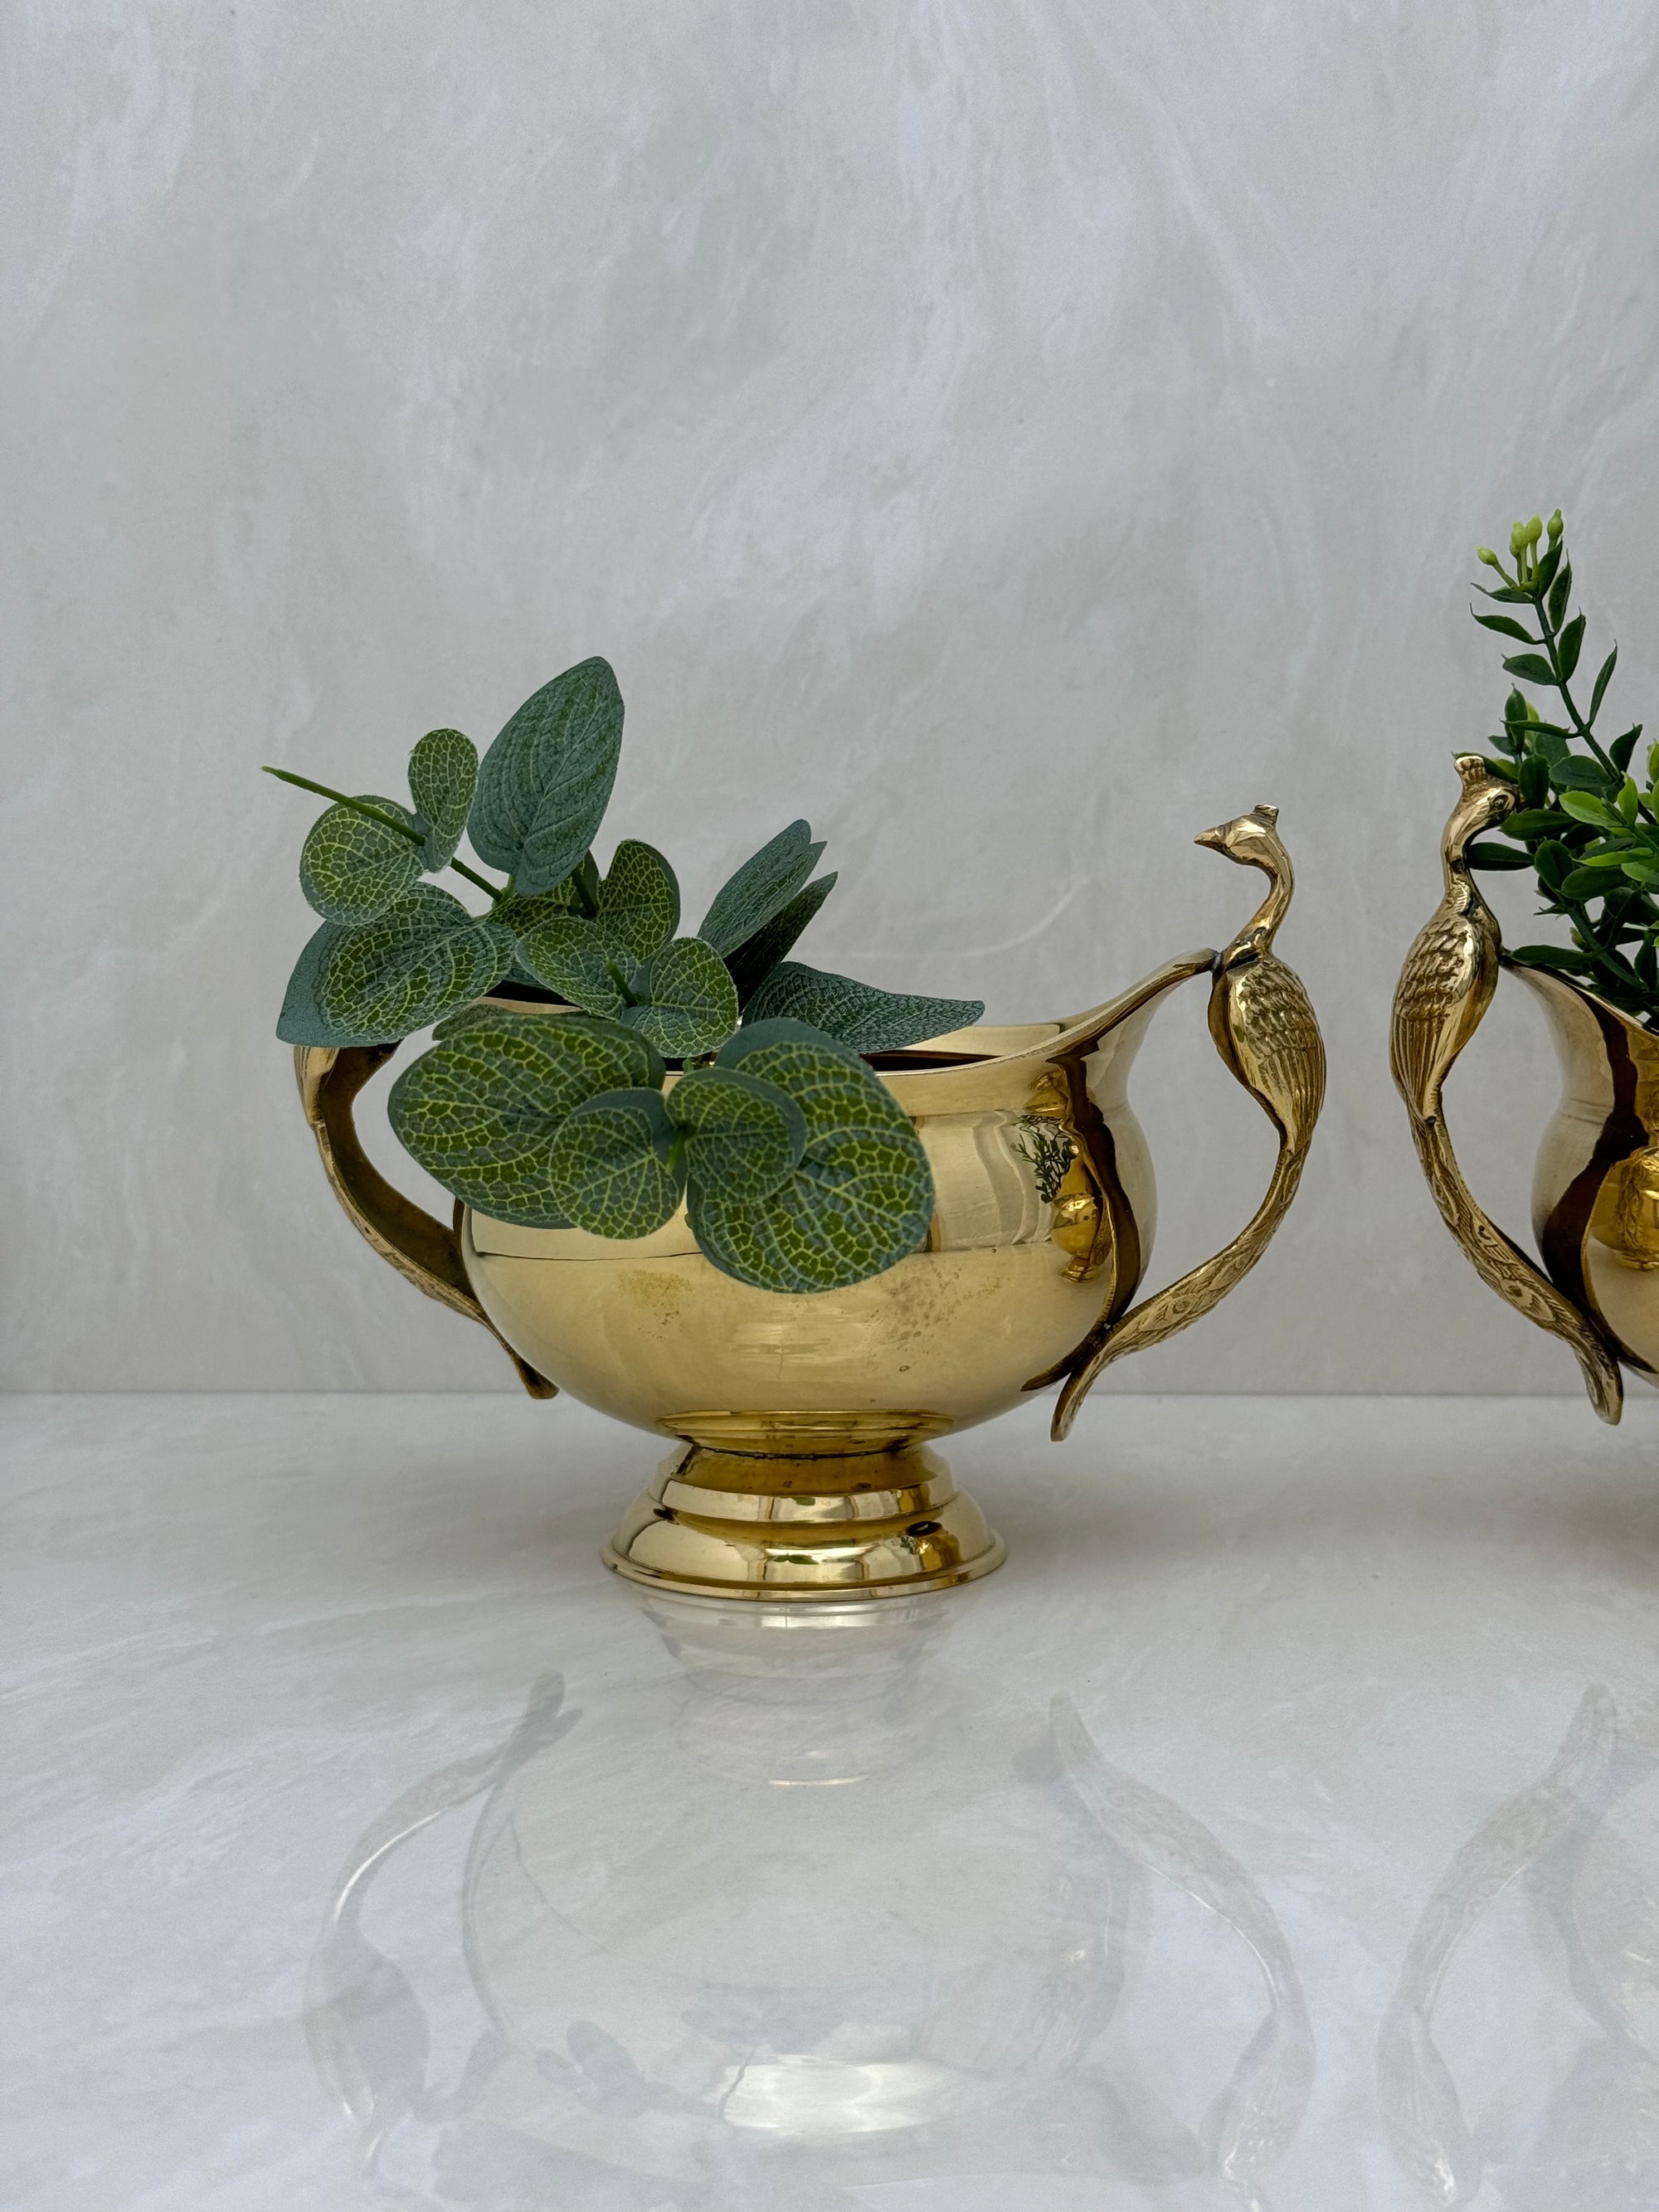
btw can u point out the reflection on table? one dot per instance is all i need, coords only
(810, 1918)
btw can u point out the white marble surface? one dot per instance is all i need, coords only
(1014, 434)
(1279, 1828)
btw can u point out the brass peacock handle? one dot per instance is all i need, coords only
(1264, 1030)
(422, 1249)
(1444, 989)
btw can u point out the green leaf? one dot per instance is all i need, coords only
(688, 1002)
(443, 774)
(1536, 822)
(1552, 956)
(859, 1015)
(1555, 864)
(639, 901)
(1484, 854)
(1568, 644)
(424, 955)
(862, 1196)
(518, 914)
(1559, 592)
(762, 887)
(568, 956)
(1586, 883)
(1643, 871)
(302, 1020)
(350, 868)
(1507, 593)
(612, 1165)
(1546, 567)
(1629, 800)
(1533, 777)
(480, 1110)
(1619, 750)
(1604, 677)
(1578, 775)
(1505, 625)
(743, 1137)
(1530, 667)
(544, 784)
(1550, 744)
(758, 955)
(1583, 808)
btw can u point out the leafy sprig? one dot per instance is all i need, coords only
(1587, 829)
(798, 1169)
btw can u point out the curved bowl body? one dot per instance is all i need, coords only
(1045, 1215)
(1595, 1191)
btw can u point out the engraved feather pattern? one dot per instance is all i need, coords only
(1444, 989)
(1264, 1030)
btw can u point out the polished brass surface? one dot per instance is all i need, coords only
(1264, 1030)
(422, 1251)
(1447, 983)
(861, 1524)
(1041, 1234)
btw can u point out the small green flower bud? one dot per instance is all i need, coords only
(1485, 553)
(1556, 526)
(1517, 539)
(1534, 530)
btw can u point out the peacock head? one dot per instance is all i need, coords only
(1250, 839)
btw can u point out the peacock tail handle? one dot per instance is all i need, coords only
(1269, 1039)
(1444, 989)
(426, 1252)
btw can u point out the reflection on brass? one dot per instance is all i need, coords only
(1445, 987)
(1042, 1229)
(422, 1249)
(850, 1526)
(1265, 1031)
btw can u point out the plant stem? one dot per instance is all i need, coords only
(1579, 724)
(386, 821)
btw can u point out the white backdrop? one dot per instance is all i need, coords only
(1014, 433)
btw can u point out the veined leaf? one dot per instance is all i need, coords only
(350, 868)
(1567, 646)
(859, 1015)
(1604, 677)
(762, 887)
(545, 782)
(688, 1001)
(443, 774)
(302, 1020)
(569, 955)
(423, 956)
(612, 1165)
(743, 1137)
(862, 1196)
(758, 955)
(1530, 667)
(480, 1110)
(639, 901)
(519, 914)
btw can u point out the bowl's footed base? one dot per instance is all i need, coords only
(804, 1525)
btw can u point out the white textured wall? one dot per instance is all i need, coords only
(1014, 435)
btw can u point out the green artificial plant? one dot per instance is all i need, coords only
(799, 1169)
(1585, 826)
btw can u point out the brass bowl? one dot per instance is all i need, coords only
(803, 1466)
(1596, 1192)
